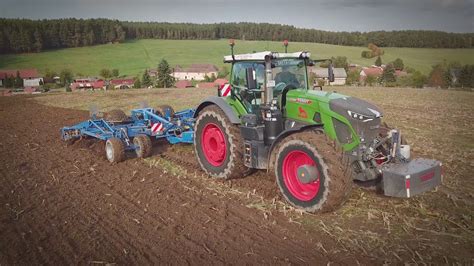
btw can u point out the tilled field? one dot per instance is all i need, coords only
(66, 204)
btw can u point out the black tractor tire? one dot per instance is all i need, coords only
(144, 146)
(162, 110)
(114, 150)
(116, 116)
(333, 167)
(232, 165)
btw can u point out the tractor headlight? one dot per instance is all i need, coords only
(360, 117)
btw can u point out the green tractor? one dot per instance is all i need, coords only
(317, 143)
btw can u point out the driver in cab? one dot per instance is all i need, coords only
(285, 76)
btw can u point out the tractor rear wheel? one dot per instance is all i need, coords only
(143, 146)
(163, 110)
(116, 116)
(218, 145)
(114, 150)
(312, 173)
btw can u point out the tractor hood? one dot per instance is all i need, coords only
(364, 117)
(355, 108)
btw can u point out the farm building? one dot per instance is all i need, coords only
(30, 77)
(195, 72)
(340, 75)
(87, 83)
(122, 83)
(181, 84)
(374, 71)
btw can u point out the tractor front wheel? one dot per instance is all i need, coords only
(114, 150)
(311, 172)
(218, 145)
(143, 146)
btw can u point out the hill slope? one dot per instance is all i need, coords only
(132, 57)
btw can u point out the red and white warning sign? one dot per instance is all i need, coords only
(156, 127)
(225, 89)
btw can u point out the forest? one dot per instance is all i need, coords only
(24, 35)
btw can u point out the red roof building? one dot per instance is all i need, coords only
(372, 71)
(121, 83)
(87, 83)
(181, 84)
(24, 73)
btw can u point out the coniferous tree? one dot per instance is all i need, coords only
(146, 79)
(388, 74)
(164, 79)
(137, 83)
(66, 77)
(105, 73)
(378, 62)
(115, 72)
(18, 83)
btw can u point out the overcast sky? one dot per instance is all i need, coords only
(333, 15)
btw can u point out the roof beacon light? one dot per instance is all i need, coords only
(285, 43)
(232, 43)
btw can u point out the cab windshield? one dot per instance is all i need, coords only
(289, 73)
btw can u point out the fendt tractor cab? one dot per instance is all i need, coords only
(316, 142)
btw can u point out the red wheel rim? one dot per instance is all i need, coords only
(299, 190)
(213, 144)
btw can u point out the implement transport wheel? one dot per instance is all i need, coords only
(312, 172)
(114, 150)
(142, 146)
(218, 145)
(116, 116)
(164, 111)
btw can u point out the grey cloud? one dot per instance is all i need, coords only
(335, 15)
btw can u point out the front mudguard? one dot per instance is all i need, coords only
(222, 104)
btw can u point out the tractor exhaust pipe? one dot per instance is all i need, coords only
(267, 93)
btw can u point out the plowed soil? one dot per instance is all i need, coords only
(65, 204)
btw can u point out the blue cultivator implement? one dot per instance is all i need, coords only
(134, 133)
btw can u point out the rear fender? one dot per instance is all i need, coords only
(283, 135)
(223, 105)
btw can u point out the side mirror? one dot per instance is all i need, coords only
(250, 78)
(331, 73)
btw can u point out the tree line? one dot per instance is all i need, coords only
(24, 35)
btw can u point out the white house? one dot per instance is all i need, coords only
(340, 75)
(195, 72)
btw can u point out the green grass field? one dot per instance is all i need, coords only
(132, 57)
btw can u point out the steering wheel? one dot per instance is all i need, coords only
(279, 87)
(282, 87)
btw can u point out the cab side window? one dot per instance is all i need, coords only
(238, 73)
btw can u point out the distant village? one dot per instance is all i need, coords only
(201, 76)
